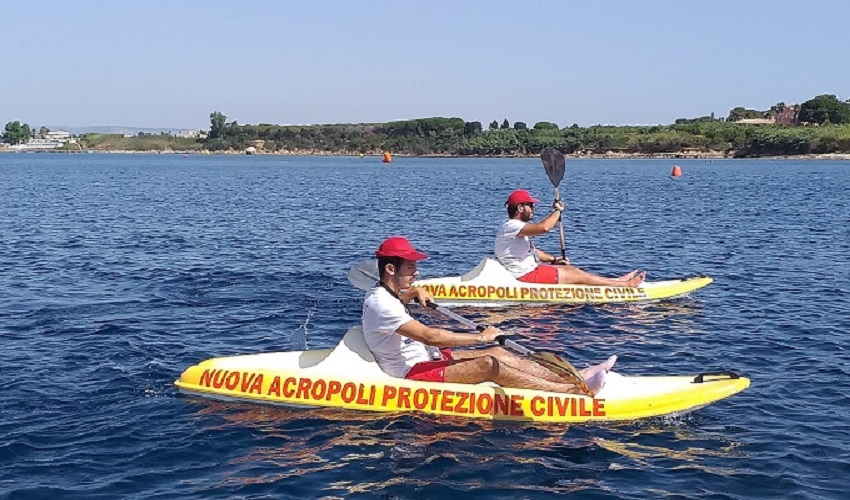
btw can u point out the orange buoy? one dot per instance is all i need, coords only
(388, 158)
(677, 171)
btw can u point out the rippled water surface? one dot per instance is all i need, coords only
(118, 272)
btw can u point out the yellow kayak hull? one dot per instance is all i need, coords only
(490, 284)
(348, 378)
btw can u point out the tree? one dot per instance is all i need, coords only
(43, 131)
(740, 113)
(217, 121)
(505, 124)
(545, 126)
(825, 108)
(17, 133)
(472, 128)
(494, 125)
(520, 126)
(778, 107)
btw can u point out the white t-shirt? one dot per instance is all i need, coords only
(383, 314)
(516, 253)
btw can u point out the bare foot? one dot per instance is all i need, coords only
(627, 277)
(595, 375)
(636, 280)
(609, 363)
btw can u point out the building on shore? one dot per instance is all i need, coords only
(786, 115)
(50, 140)
(37, 145)
(780, 114)
(190, 134)
(58, 135)
(757, 121)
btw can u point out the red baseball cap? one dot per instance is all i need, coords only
(521, 196)
(398, 246)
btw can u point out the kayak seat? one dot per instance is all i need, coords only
(352, 358)
(491, 269)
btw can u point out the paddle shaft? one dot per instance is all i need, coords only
(561, 225)
(471, 324)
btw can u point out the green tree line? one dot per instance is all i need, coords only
(825, 129)
(454, 136)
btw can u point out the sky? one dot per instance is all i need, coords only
(169, 64)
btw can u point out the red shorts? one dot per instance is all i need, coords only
(431, 371)
(542, 274)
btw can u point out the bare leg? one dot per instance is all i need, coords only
(593, 375)
(512, 360)
(575, 276)
(535, 374)
(488, 368)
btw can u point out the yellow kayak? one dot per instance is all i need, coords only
(490, 284)
(348, 377)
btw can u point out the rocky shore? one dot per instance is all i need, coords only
(707, 155)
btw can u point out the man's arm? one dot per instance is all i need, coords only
(546, 225)
(550, 259)
(421, 295)
(544, 257)
(443, 338)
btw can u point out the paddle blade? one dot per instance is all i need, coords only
(364, 275)
(554, 163)
(563, 368)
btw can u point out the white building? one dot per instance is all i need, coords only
(37, 145)
(58, 135)
(190, 134)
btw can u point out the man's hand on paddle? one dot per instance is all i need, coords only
(490, 334)
(558, 205)
(546, 258)
(420, 295)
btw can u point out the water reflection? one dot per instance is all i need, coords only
(361, 452)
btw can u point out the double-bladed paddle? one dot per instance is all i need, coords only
(364, 276)
(554, 163)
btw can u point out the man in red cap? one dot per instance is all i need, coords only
(517, 253)
(406, 348)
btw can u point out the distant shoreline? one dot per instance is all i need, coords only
(684, 155)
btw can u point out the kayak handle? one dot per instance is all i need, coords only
(701, 377)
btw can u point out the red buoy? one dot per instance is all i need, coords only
(677, 171)
(388, 158)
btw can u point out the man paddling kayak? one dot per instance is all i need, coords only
(517, 253)
(405, 348)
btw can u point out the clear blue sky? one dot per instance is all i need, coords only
(170, 63)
